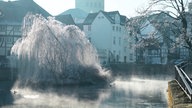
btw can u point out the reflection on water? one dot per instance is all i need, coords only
(132, 93)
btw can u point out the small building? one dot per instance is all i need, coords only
(11, 17)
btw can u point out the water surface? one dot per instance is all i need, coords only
(130, 93)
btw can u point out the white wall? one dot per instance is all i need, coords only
(111, 38)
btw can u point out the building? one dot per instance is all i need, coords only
(65, 19)
(90, 6)
(77, 14)
(151, 47)
(108, 33)
(11, 17)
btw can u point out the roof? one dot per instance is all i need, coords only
(15, 11)
(75, 13)
(109, 15)
(80, 26)
(165, 24)
(162, 22)
(66, 19)
(90, 18)
(123, 19)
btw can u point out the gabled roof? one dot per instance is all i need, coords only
(66, 19)
(109, 15)
(80, 26)
(14, 11)
(165, 23)
(75, 13)
(123, 19)
(90, 18)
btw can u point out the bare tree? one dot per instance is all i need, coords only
(176, 8)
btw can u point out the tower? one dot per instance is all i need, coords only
(90, 6)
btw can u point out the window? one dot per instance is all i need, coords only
(119, 40)
(119, 29)
(116, 28)
(125, 49)
(114, 53)
(16, 28)
(8, 52)
(113, 28)
(114, 40)
(1, 39)
(8, 39)
(2, 28)
(89, 27)
(131, 57)
(101, 17)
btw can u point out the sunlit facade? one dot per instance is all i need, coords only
(107, 32)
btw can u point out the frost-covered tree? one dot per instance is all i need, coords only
(178, 10)
(170, 18)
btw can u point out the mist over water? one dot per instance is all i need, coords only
(51, 53)
(130, 93)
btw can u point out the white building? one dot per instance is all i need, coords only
(107, 32)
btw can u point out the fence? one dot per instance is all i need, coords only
(183, 79)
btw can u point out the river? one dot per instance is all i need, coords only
(122, 93)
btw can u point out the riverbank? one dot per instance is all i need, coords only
(176, 97)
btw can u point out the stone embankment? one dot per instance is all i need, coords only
(176, 97)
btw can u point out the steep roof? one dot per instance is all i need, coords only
(109, 15)
(66, 19)
(75, 13)
(123, 19)
(14, 11)
(165, 24)
(90, 18)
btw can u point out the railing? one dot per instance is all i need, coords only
(183, 79)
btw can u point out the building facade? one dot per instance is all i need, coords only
(12, 14)
(108, 33)
(151, 48)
